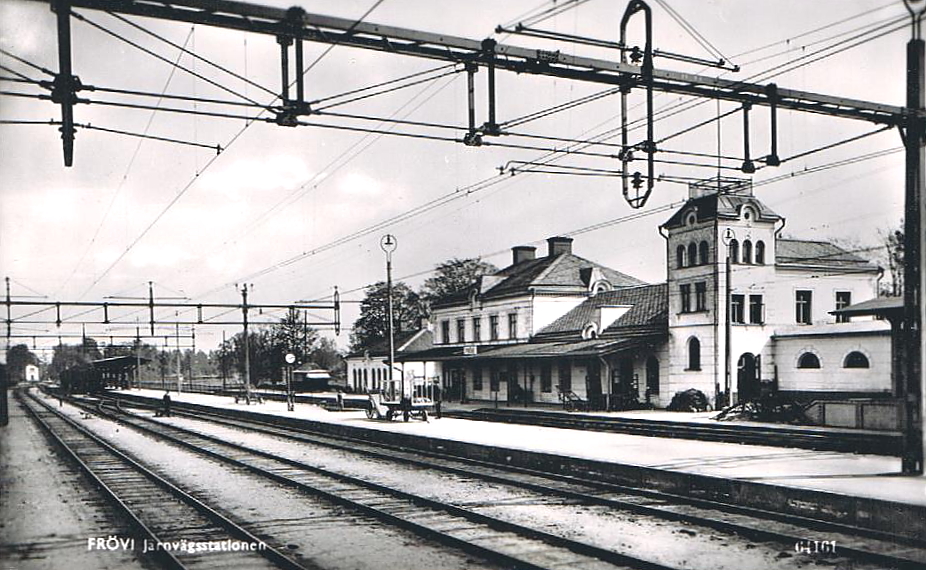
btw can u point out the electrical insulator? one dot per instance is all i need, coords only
(637, 180)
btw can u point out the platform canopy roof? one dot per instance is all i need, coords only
(119, 363)
(888, 307)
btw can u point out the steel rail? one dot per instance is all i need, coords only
(168, 559)
(756, 530)
(187, 439)
(272, 554)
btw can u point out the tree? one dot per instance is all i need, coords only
(451, 277)
(69, 355)
(17, 358)
(372, 326)
(293, 335)
(894, 244)
(326, 355)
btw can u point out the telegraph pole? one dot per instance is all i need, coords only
(192, 354)
(224, 363)
(388, 244)
(179, 374)
(137, 356)
(247, 350)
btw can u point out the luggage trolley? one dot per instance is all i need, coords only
(382, 409)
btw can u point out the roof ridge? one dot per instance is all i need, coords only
(808, 241)
(556, 261)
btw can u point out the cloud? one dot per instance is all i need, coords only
(158, 255)
(242, 178)
(357, 184)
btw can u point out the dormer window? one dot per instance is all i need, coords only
(590, 331)
(600, 286)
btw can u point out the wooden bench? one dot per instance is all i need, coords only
(572, 402)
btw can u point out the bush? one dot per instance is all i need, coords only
(690, 400)
(771, 409)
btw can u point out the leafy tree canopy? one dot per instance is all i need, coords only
(17, 358)
(372, 326)
(453, 276)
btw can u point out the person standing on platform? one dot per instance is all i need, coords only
(340, 401)
(437, 401)
(166, 410)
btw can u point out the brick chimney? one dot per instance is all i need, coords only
(558, 245)
(522, 253)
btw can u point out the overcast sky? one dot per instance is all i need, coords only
(131, 211)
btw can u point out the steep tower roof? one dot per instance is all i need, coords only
(723, 199)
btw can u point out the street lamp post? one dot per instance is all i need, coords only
(388, 244)
(290, 398)
(728, 237)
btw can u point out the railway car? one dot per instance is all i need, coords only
(81, 379)
(91, 377)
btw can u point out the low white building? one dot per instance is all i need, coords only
(32, 373)
(368, 369)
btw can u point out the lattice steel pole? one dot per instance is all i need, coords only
(913, 239)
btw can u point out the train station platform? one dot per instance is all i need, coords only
(866, 476)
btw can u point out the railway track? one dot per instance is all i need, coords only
(498, 541)
(861, 544)
(178, 531)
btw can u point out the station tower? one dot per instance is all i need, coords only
(720, 274)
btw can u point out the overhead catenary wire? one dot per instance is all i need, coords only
(802, 64)
(208, 164)
(698, 37)
(192, 54)
(787, 41)
(658, 209)
(330, 168)
(27, 62)
(385, 91)
(538, 15)
(20, 77)
(125, 174)
(159, 57)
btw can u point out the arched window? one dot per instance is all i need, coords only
(692, 254)
(734, 251)
(855, 359)
(703, 253)
(590, 331)
(808, 360)
(747, 251)
(600, 286)
(680, 256)
(760, 252)
(694, 354)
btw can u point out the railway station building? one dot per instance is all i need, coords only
(743, 310)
